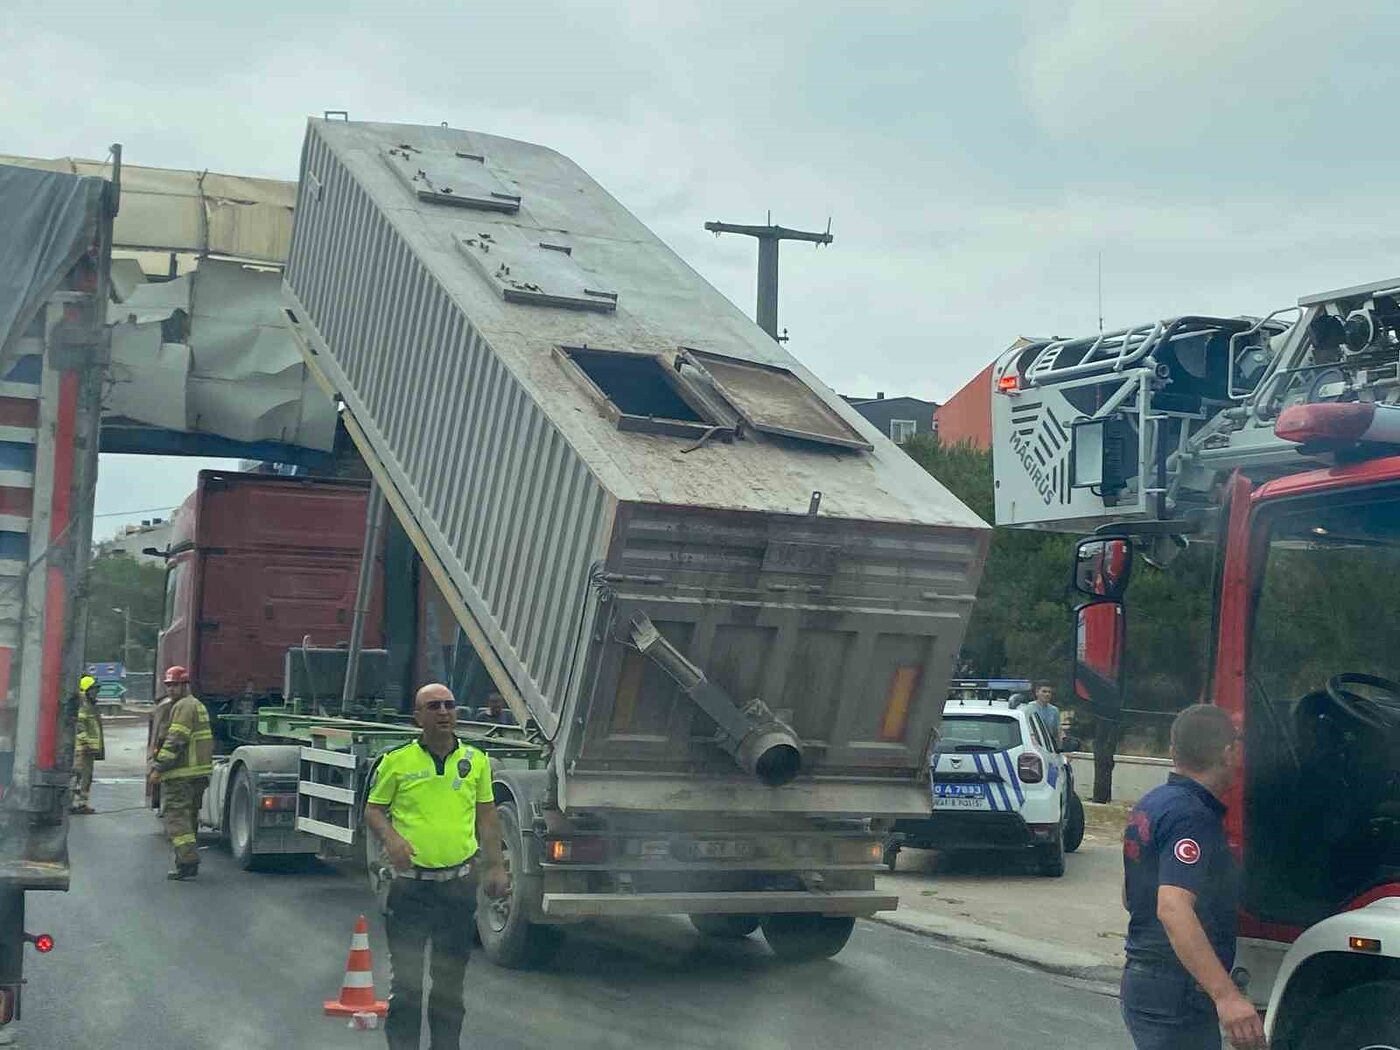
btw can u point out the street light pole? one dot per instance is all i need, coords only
(126, 632)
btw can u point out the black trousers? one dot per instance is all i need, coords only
(1164, 1009)
(440, 915)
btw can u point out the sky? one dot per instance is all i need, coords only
(976, 159)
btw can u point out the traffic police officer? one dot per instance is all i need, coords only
(429, 800)
(1180, 886)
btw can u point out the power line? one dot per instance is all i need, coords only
(132, 513)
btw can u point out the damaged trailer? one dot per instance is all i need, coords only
(54, 272)
(726, 602)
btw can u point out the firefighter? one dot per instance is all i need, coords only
(176, 685)
(181, 766)
(88, 743)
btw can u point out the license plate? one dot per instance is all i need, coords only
(721, 849)
(958, 790)
(959, 796)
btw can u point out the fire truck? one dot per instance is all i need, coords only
(1277, 439)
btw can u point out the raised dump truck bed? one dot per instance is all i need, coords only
(712, 584)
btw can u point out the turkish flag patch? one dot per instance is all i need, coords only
(1187, 851)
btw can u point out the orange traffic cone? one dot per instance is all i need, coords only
(357, 990)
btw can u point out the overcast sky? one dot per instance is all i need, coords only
(975, 158)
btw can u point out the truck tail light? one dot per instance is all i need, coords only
(1030, 768)
(43, 942)
(904, 683)
(278, 802)
(576, 851)
(1009, 384)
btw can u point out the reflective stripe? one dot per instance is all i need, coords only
(988, 790)
(358, 941)
(1014, 777)
(186, 773)
(181, 840)
(358, 979)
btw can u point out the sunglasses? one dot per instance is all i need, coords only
(439, 705)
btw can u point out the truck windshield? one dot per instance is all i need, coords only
(1322, 773)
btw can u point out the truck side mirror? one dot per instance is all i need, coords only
(1103, 566)
(1099, 631)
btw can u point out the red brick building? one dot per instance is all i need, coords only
(967, 415)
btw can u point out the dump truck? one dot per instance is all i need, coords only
(54, 271)
(725, 603)
(1277, 440)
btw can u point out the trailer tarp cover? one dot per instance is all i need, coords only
(46, 223)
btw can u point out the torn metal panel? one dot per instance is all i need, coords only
(148, 379)
(165, 209)
(149, 303)
(239, 375)
(127, 276)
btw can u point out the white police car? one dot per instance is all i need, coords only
(998, 782)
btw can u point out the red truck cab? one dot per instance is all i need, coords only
(1306, 660)
(258, 564)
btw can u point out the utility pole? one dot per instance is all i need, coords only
(126, 633)
(768, 237)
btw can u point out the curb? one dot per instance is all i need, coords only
(1104, 974)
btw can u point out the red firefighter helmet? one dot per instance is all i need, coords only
(176, 675)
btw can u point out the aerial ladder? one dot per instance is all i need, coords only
(1277, 439)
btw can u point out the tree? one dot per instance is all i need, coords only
(117, 584)
(1022, 621)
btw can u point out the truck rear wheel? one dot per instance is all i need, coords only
(798, 936)
(242, 822)
(725, 927)
(1361, 1018)
(508, 938)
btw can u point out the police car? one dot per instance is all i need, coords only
(998, 782)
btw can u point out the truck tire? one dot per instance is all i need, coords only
(725, 927)
(1050, 860)
(1074, 823)
(507, 937)
(799, 937)
(242, 822)
(1359, 1018)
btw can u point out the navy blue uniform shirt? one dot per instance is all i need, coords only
(1176, 837)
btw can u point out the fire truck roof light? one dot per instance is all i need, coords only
(1340, 423)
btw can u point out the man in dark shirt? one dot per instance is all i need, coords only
(1180, 886)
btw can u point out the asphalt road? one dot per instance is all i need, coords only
(243, 961)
